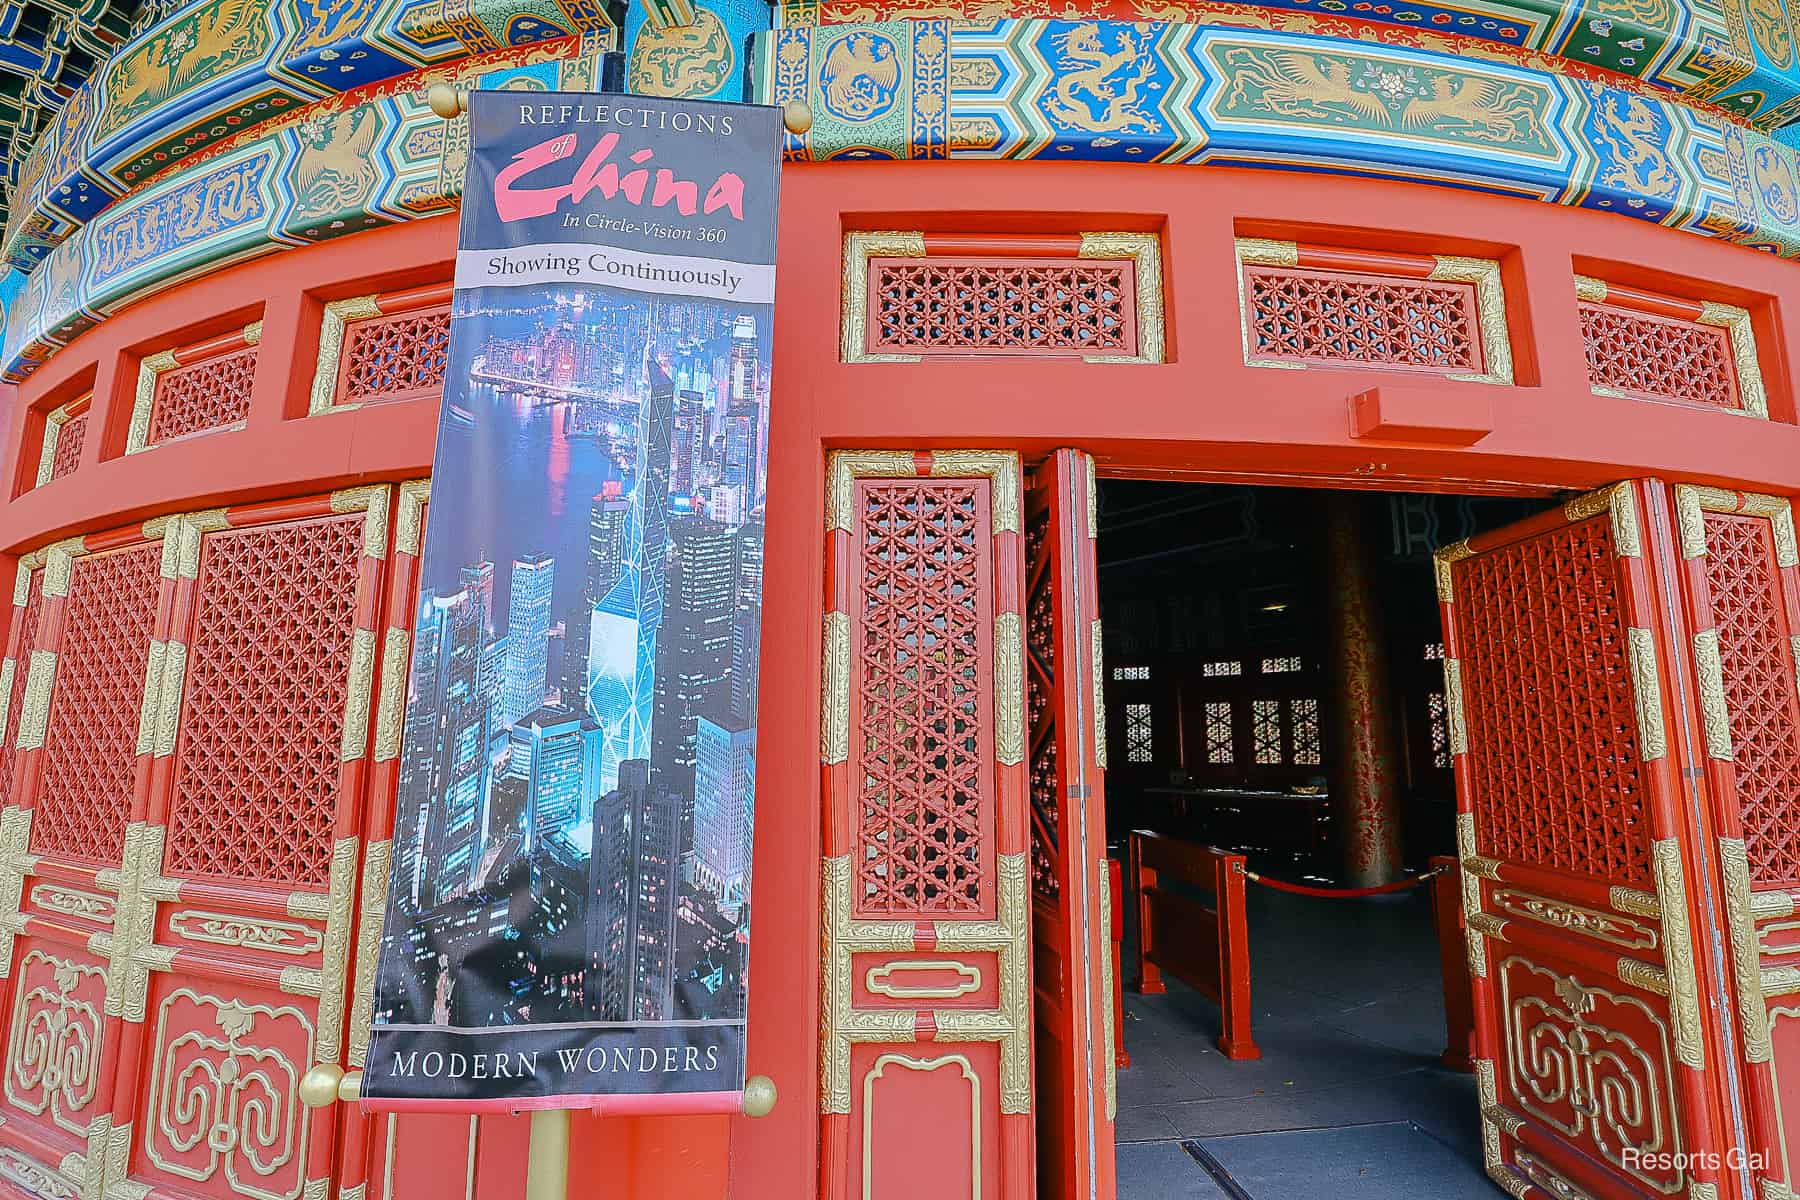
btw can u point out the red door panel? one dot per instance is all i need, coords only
(1741, 574)
(1587, 951)
(926, 915)
(86, 643)
(1077, 1097)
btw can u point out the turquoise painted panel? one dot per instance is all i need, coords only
(701, 59)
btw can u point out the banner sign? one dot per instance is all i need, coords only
(568, 913)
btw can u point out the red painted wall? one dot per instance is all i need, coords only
(1204, 411)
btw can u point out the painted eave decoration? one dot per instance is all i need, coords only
(339, 171)
(1222, 95)
(1737, 54)
(212, 69)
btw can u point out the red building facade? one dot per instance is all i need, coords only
(220, 438)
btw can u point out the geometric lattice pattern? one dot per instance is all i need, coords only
(1138, 740)
(959, 306)
(1643, 354)
(1353, 319)
(1218, 732)
(70, 437)
(1265, 731)
(1439, 729)
(90, 746)
(925, 690)
(208, 394)
(398, 357)
(256, 771)
(1553, 749)
(1745, 593)
(1303, 719)
(28, 624)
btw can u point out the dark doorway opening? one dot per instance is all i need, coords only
(1235, 680)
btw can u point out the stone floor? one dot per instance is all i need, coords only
(1348, 1100)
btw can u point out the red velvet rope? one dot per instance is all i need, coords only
(1301, 889)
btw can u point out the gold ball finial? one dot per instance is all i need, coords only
(797, 115)
(446, 101)
(759, 1096)
(319, 1086)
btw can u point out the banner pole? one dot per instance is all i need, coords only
(547, 1158)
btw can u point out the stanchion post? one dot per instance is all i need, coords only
(547, 1158)
(1234, 958)
(1453, 963)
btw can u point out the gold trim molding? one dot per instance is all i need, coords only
(1001, 467)
(338, 316)
(879, 979)
(1490, 305)
(1145, 252)
(1646, 693)
(859, 247)
(1678, 953)
(1715, 716)
(1746, 958)
(53, 424)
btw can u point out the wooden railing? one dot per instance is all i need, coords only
(1121, 1056)
(1206, 947)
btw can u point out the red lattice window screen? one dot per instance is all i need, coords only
(256, 771)
(1743, 587)
(923, 842)
(1543, 647)
(979, 306)
(393, 346)
(90, 745)
(196, 389)
(1343, 319)
(1084, 296)
(1321, 306)
(1660, 348)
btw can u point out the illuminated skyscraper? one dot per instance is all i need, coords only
(528, 636)
(557, 752)
(724, 785)
(693, 653)
(624, 623)
(478, 581)
(746, 624)
(458, 785)
(631, 898)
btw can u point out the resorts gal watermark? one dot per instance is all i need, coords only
(1660, 1162)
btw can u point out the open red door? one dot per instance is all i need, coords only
(1598, 1006)
(1071, 919)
